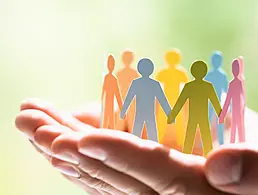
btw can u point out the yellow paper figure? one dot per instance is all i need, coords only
(171, 78)
(199, 92)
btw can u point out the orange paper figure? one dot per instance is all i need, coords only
(236, 95)
(110, 90)
(199, 92)
(125, 77)
(172, 78)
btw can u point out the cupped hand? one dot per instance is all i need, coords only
(107, 161)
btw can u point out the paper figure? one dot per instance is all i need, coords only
(236, 95)
(125, 77)
(199, 92)
(219, 79)
(172, 78)
(145, 91)
(110, 90)
(242, 78)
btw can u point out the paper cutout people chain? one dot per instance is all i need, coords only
(145, 90)
(199, 92)
(110, 91)
(172, 78)
(236, 95)
(220, 82)
(204, 93)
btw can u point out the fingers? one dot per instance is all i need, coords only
(65, 119)
(66, 145)
(72, 171)
(30, 120)
(233, 169)
(89, 115)
(166, 171)
(79, 183)
(46, 134)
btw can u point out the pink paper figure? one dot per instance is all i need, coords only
(236, 95)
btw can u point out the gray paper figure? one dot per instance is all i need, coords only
(146, 91)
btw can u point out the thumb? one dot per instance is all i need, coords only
(233, 169)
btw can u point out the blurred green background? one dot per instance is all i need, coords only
(54, 50)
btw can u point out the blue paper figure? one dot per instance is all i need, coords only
(219, 79)
(146, 91)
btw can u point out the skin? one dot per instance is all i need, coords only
(101, 163)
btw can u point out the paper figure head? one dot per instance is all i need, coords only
(173, 57)
(145, 67)
(111, 63)
(127, 58)
(216, 59)
(199, 69)
(235, 68)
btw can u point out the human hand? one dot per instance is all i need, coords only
(54, 133)
(42, 124)
(166, 171)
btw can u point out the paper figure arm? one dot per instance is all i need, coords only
(215, 101)
(179, 104)
(129, 98)
(162, 99)
(226, 106)
(118, 96)
(103, 89)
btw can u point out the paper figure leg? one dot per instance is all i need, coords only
(105, 122)
(211, 117)
(180, 132)
(206, 136)
(220, 132)
(152, 129)
(233, 131)
(189, 137)
(112, 121)
(161, 123)
(241, 133)
(138, 125)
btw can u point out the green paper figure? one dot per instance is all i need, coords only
(199, 92)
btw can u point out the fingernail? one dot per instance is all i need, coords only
(68, 157)
(95, 153)
(67, 170)
(226, 170)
